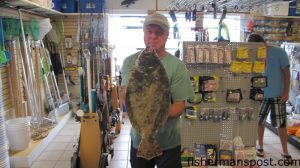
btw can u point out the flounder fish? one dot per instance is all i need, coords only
(147, 101)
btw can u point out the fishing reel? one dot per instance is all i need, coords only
(115, 118)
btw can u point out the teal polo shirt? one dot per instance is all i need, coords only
(169, 135)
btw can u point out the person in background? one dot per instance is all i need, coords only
(156, 31)
(120, 78)
(276, 94)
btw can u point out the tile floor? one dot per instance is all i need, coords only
(58, 153)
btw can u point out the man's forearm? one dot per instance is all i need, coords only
(287, 77)
(176, 108)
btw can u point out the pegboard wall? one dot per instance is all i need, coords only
(212, 130)
(82, 25)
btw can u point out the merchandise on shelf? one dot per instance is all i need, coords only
(277, 30)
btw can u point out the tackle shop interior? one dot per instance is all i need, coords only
(61, 82)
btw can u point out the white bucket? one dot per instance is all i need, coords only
(18, 133)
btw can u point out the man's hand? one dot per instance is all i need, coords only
(284, 98)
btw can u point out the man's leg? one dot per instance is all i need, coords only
(260, 134)
(282, 132)
(137, 162)
(170, 159)
(263, 114)
(278, 118)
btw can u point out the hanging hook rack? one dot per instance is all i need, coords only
(231, 5)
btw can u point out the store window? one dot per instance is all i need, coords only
(233, 23)
(126, 33)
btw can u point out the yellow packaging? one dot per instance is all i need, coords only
(258, 67)
(262, 52)
(247, 67)
(236, 67)
(242, 53)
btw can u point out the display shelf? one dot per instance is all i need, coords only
(83, 14)
(282, 17)
(275, 16)
(275, 26)
(291, 139)
(31, 6)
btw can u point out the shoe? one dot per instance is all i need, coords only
(260, 152)
(288, 158)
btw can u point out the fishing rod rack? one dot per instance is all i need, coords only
(93, 62)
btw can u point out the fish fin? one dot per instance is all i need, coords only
(149, 148)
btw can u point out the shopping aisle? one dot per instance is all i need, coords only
(60, 150)
(272, 147)
(122, 146)
(58, 153)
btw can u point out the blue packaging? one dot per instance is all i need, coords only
(293, 9)
(91, 6)
(68, 6)
(56, 5)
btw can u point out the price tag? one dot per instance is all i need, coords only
(70, 68)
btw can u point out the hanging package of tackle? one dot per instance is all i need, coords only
(234, 95)
(209, 97)
(245, 113)
(208, 83)
(199, 54)
(195, 83)
(191, 112)
(259, 81)
(200, 151)
(217, 115)
(256, 94)
(225, 114)
(211, 154)
(196, 100)
(190, 54)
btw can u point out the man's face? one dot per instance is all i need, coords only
(154, 37)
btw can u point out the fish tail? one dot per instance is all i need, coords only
(149, 148)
